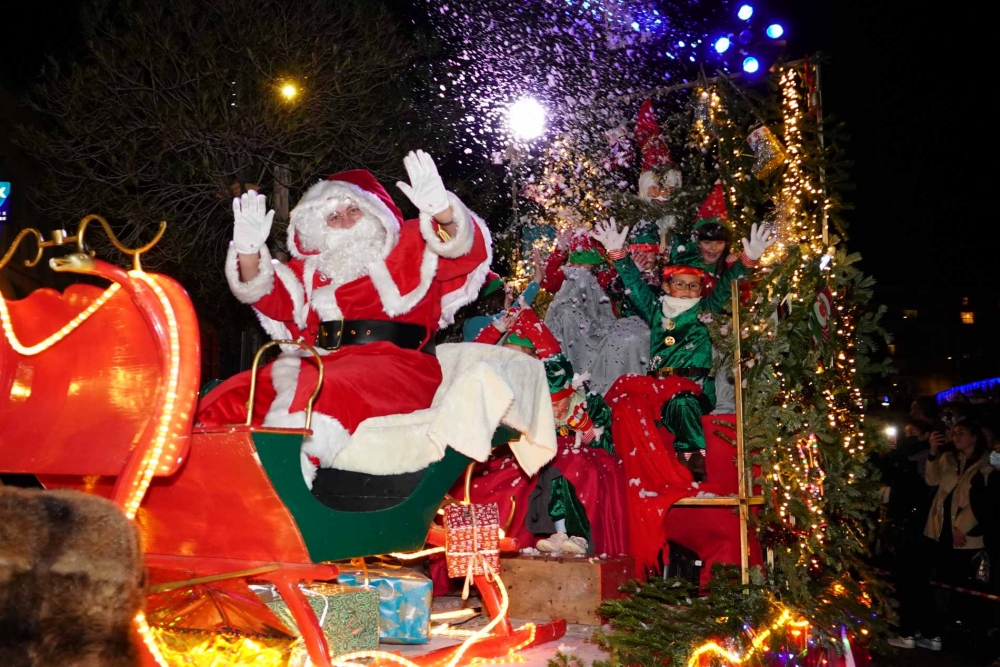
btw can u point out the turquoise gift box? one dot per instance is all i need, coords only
(404, 606)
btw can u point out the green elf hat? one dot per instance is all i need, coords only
(644, 237)
(559, 373)
(583, 251)
(521, 341)
(493, 283)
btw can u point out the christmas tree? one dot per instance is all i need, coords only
(808, 339)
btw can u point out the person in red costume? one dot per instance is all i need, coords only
(366, 288)
(579, 498)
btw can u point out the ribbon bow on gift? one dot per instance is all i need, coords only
(478, 560)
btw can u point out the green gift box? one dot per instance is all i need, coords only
(348, 615)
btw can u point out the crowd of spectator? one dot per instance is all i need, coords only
(940, 525)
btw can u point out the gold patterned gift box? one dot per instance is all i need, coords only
(348, 615)
(217, 625)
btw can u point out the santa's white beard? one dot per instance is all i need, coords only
(349, 252)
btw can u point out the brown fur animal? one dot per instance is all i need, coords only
(71, 580)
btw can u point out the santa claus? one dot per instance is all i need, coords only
(366, 288)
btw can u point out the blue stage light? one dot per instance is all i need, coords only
(745, 12)
(750, 65)
(774, 31)
(722, 44)
(635, 25)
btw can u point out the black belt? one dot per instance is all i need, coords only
(668, 371)
(334, 334)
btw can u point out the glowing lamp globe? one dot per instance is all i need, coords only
(750, 65)
(745, 12)
(722, 44)
(526, 118)
(289, 91)
(775, 31)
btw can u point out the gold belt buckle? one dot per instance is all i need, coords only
(337, 335)
(667, 371)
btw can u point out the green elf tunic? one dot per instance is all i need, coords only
(679, 341)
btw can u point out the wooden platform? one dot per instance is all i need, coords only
(568, 587)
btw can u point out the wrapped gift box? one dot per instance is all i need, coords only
(404, 607)
(348, 615)
(472, 529)
(222, 623)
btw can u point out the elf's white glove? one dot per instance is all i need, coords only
(760, 240)
(425, 189)
(252, 223)
(605, 234)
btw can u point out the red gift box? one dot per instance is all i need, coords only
(472, 532)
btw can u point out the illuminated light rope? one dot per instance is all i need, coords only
(347, 659)
(67, 329)
(146, 633)
(152, 458)
(711, 647)
(417, 554)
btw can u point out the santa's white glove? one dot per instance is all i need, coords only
(252, 223)
(760, 240)
(605, 234)
(425, 189)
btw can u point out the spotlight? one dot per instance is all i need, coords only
(750, 65)
(891, 431)
(635, 26)
(745, 12)
(526, 118)
(722, 44)
(774, 31)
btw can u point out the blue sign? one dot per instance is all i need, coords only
(4, 198)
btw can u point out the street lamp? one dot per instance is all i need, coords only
(526, 121)
(289, 91)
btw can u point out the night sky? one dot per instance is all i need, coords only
(909, 84)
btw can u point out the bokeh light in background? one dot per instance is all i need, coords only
(526, 119)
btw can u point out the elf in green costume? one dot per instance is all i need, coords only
(680, 346)
(583, 421)
(707, 247)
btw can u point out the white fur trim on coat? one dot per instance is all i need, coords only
(452, 301)
(257, 287)
(328, 435)
(315, 198)
(465, 233)
(393, 303)
(293, 286)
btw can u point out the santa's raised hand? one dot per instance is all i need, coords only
(425, 189)
(608, 236)
(760, 240)
(252, 223)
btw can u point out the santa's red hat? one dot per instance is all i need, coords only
(655, 155)
(308, 218)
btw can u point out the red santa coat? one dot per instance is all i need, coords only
(420, 279)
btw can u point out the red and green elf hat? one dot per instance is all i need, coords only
(582, 249)
(493, 283)
(713, 209)
(644, 237)
(559, 373)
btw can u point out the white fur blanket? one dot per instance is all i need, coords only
(483, 386)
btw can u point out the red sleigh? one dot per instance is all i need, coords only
(103, 384)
